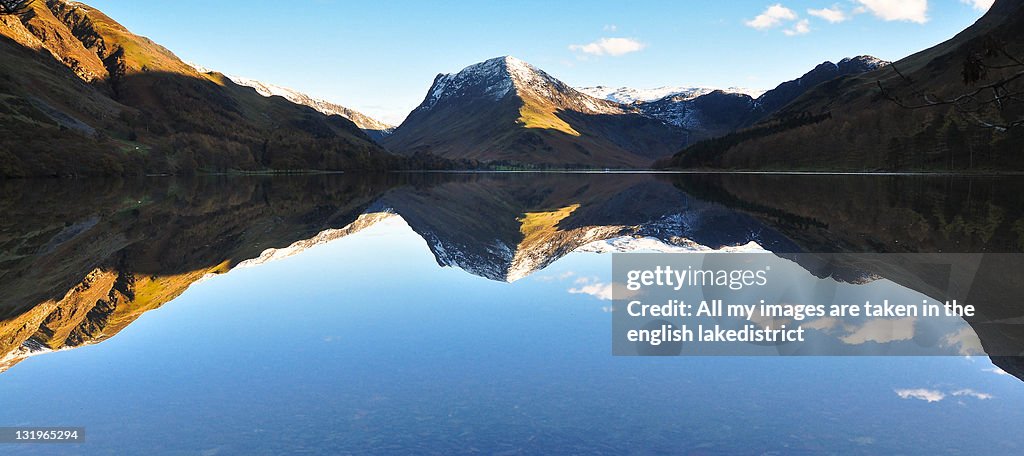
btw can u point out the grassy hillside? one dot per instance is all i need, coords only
(82, 95)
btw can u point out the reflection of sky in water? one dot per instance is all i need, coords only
(365, 345)
(790, 286)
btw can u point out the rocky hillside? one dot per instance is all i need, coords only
(82, 95)
(935, 110)
(504, 110)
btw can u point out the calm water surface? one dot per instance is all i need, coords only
(446, 314)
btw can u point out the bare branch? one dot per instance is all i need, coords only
(985, 104)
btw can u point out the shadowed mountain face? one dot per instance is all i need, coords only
(720, 112)
(82, 260)
(881, 119)
(82, 95)
(505, 110)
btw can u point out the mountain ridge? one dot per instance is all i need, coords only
(82, 95)
(374, 128)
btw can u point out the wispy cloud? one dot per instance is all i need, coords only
(972, 393)
(980, 5)
(898, 10)
(611, 28)
(833, 15)
(931, 395)
(800, 28)
(926, 395)
(609, 46)
(772, 17)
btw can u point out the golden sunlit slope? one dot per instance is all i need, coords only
(80, 94)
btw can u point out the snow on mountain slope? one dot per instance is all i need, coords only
(629, 95)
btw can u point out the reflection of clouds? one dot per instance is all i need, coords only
(966, 341)
(604, 291)
(930, 395)
(552, 278)
(593, 287)
(997, 371)
(923, 394)
(881, 331)
(972, 393)
(822, 324)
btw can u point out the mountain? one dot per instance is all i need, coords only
(373, 128)
(931, 111)
(777, 98)
(628, 95)
(706, 116)
(82, 95)
(719, 112)
(505, 110)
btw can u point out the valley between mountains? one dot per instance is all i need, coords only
(82, 95)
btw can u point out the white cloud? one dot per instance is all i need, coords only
(972, 393)
(833, 15)
(980, 5)
(611, 28)
(898, 10)
(602, 291)
(926, 395)
(609, 46)
(800, 28)
(774, 16)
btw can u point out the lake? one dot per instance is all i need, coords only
(451, 313)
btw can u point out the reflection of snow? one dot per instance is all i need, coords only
(997, 371)
(623, 244)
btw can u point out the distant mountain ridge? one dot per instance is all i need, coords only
(629, 95)
(505, 110)
(374, 128)
(720, 112)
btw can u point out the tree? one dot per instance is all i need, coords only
(14, 6)
(994, 102)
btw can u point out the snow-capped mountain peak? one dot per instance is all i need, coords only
(497, 78)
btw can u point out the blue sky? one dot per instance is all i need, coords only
(380, 57)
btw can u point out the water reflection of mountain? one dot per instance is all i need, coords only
(83, 259)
